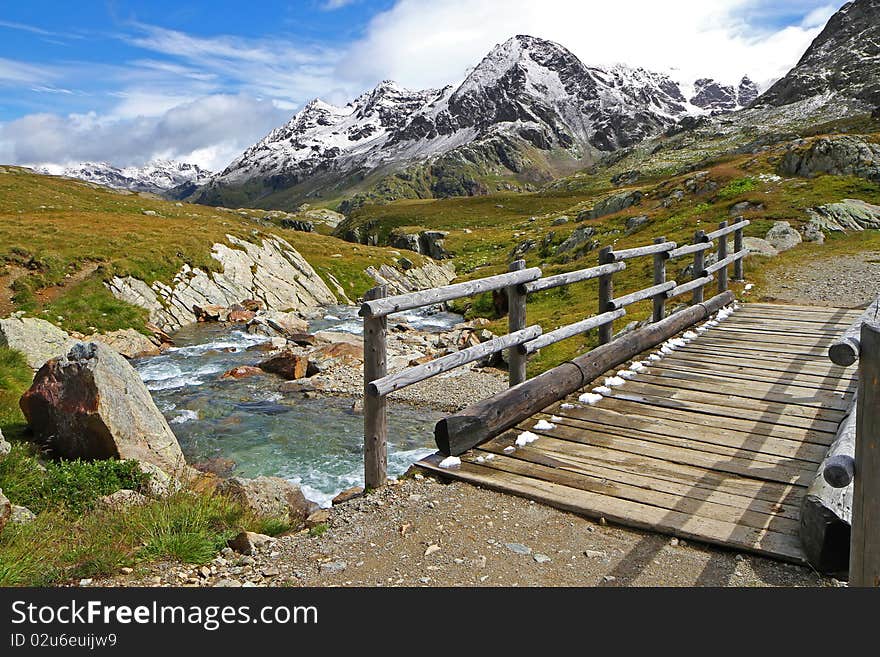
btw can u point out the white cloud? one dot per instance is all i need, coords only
(332, 5)
(208, 131)
(421, 44)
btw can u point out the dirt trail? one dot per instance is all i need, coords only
(45, 295)
(844, 281)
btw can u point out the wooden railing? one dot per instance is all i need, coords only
(854, 457)
(523, 340)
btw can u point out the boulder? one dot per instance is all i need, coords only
(92, 404)
(242, 372)
(612, 204)
(560, 221)
(432, 244)
(337, 337)
(331, 355)
(128, 343)
(122, 499)
(744, 206)
(36, 338)
(5, 447)
(21, 515)
(840, 155)
(249, 542)
(812, 232)
(160, 484)
(218, 465)
(298, 225)
(849, 214)
(240, 316)
(5, 510)
(287, 364)
(579, 240)
(626, 178)
(319, 517)
(277, 323)
(269, 497)
(209, 313)
(783, 237)
(635, 223)
(348, 494)
(759, 247)
(521, 249)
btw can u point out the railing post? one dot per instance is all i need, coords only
(722, 254)
(606, 294)
(699, 259)
(737, 247)
(375, 422)
(516, 321)
(659, 277)
(864, 556)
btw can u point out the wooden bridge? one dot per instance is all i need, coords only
(723, 424)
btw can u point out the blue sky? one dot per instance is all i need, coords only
(127, 81)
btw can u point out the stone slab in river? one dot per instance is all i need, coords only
(92, 404)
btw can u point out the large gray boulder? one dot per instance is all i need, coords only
(841, 155)
(92, 404)
(849, 214)
(5, 447)
(269, 497)
(580, 239)
(36, 338)
(759, 247)
(783, 237)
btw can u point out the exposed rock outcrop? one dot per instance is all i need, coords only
(759, 247)
(269, 497)
(429, 275)
(849, 214)
(841, 155)
(612, 204)
(36, 338)
(92, 404)
(579, 240)
(5, 447)
(428, 242)
(272, 272)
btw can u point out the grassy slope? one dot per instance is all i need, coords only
(484, 230)
(52, 228)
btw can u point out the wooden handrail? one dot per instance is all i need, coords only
(564, 332)
(651, 249)
(845, 350)
(727, 229)
(577, 276)
(411, 300)
(640, 295)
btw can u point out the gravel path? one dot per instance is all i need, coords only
(421, 532)
(848, 282)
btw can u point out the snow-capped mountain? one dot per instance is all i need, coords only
(158, 176)
(529, 110)
(844, 60)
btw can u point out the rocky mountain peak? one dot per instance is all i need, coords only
(747, 92)
(844, 59)
(156, 177)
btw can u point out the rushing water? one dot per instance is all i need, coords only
(316, 443)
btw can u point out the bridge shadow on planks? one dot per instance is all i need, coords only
(717, 442)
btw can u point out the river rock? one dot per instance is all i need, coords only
(840, 155)
(128, 343)
(759, 247)
(240, 316)
(319, 517)
(5, 510)
(339, 337)
(210, 313)
(218, 465)
(270, 497)
(92, 404)
(330, 355)
(849, 214)
(272, 271)
(5, 447)
(36, 338)
(287, 364)
(242, 372)
(783, 237)
(348, 494)
(274, 322)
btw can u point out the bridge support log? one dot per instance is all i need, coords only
(375, 422)
(488, 418)
(826, 510)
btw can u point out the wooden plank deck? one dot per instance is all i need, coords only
(716, 442)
